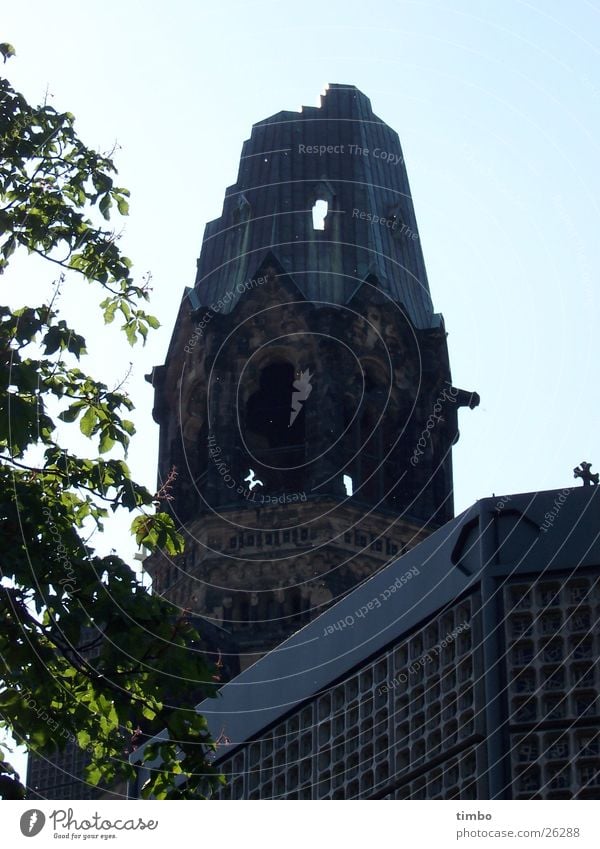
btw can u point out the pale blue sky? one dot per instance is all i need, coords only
(497, 105)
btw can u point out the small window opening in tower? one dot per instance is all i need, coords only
(347, 481)
(319, 213)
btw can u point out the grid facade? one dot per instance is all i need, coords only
(406, 725)
(553, 645)
(61, 776)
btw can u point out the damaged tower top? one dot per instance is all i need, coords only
(338, 162)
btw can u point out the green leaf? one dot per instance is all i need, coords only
(86, 425)
(122, 206)
(130, 332)
(109, 312)
(148, 713)
(93, 774)
(9, 247)
(7, 50)
(105, 205)
(83, 739)
(71, 413)
(106, 442)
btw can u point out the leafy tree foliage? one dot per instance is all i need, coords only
(86, 654)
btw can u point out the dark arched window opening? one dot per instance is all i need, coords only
(269, 411)
(276, 427)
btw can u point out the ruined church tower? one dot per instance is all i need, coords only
(306, 401)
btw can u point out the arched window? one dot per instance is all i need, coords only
(269, 411)
(275, 427)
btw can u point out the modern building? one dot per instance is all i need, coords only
(466, 669)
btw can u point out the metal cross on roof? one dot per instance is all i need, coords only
(583, 471)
